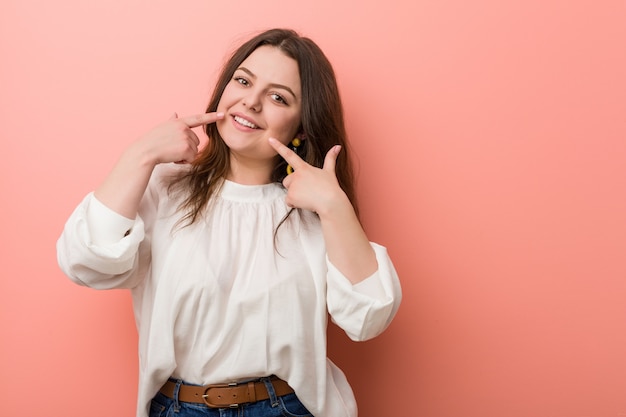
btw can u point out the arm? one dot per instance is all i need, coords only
(317, 189)
(102, 245)
(364, 310)
(171, 141)
(363, 289)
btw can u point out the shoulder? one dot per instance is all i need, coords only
(310, 227)
(169, 171)
(163, 176)
(310, 218)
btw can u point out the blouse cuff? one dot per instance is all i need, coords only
(105, 225)
(371, 287)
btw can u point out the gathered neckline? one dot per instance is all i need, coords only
(244, 192)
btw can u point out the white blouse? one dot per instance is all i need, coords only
(225, 299)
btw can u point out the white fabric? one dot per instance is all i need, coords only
(222, 300)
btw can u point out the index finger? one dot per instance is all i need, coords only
(201, 119)
(288, 155)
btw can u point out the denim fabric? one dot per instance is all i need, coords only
(286, 406)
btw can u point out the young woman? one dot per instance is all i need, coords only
(236, 253)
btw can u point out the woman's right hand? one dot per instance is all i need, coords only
(171, 141)
(174, 140)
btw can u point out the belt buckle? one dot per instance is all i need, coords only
(205, 396)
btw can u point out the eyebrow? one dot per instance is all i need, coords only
(275, 85)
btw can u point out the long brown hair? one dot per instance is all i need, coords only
(322, 122)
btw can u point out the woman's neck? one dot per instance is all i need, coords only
(249, 172)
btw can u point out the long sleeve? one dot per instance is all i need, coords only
(364, 310)
(102, 249)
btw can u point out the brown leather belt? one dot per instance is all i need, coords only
(226, 395)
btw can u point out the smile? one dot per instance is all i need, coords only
(245, 122)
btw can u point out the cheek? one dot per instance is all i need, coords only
(220, 125)
(227, 99)
(222, 105)
(288, 128)
(284, 136)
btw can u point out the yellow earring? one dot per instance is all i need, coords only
(295, 143)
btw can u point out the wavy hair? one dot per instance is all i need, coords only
(322, 123)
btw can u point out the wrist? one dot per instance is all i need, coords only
(141, 155)
(338, 206)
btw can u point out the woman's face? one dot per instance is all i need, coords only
(262, 100)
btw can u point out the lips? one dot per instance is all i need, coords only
(245, 122)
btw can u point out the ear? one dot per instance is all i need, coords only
(300, 133)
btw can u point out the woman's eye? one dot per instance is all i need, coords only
(278, 98)
(241, 81)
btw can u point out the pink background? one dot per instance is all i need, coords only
(491, 137)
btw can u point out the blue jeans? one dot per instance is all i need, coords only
(286, 406)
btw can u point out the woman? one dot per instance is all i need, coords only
(236, 253)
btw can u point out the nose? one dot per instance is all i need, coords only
(252, 101)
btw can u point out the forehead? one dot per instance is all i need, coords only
(270, 65)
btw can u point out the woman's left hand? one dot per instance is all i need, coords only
(309, 187)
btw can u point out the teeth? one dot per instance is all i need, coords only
(244, 122)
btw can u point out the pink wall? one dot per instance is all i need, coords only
(491, 136)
